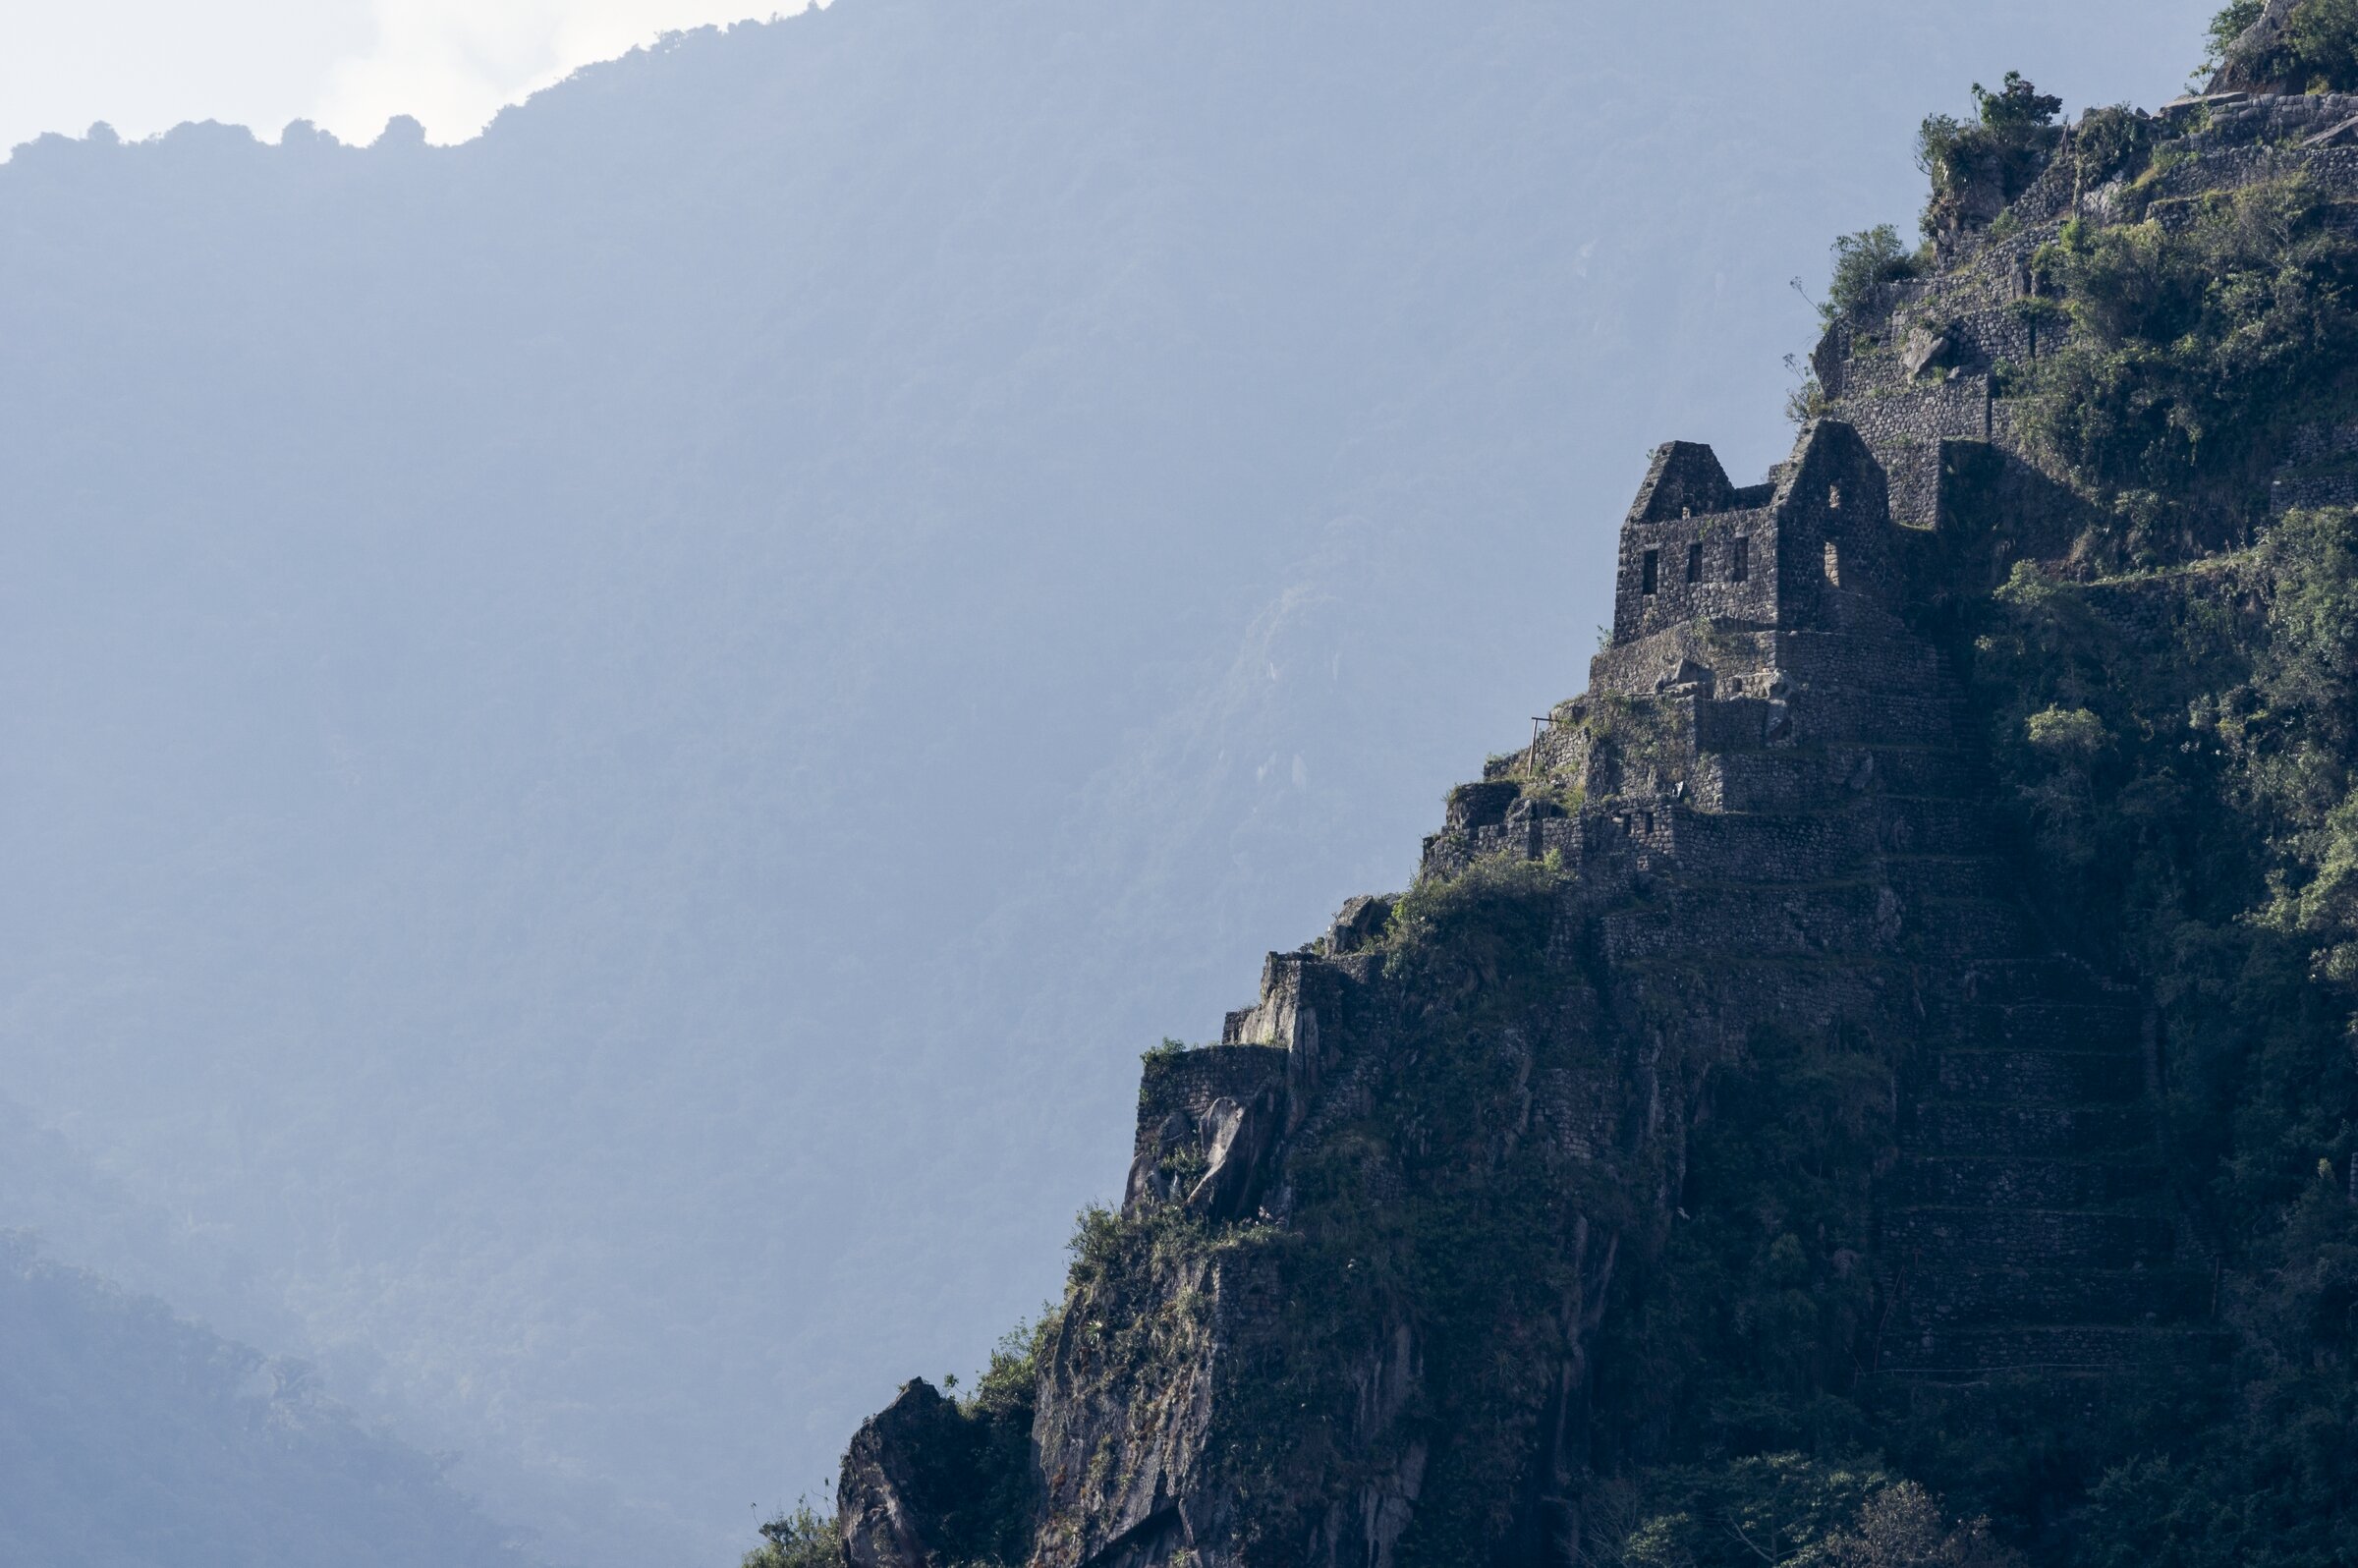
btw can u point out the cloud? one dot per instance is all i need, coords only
(453, 64)
(145, 65)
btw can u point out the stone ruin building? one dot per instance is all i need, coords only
(1809, 806)
(1773, 816)
(1776, 813)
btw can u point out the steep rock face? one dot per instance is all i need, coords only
(896, 1464)
(1723, 1083)
(926, 1481)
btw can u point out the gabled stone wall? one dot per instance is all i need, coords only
(1813, 550)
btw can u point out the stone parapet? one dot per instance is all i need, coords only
(1189, 1082)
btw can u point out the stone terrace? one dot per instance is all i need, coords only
(1784, 818)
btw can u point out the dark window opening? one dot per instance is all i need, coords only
(1651, 570)
(1694, 563)
(1739, 562)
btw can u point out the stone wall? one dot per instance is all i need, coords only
(1723, 565)
(1836, 561)
(1905, 431)
(1190, 1081)
(1815, 549)
(2265, 120)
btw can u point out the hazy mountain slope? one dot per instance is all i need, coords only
(130, 1437)
(591, 713)
(138, 1241)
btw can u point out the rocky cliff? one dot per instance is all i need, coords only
(1877, 1058)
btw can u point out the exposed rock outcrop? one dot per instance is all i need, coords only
(2243, 70)
(928, 1484)
(887, 1495)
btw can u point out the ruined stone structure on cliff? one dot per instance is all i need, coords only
(1769, 812)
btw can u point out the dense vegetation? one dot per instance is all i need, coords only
(1862, 262)
(2180, 748)
(802, 1538)
(1976, 167)
(2173, 706)
(2204, 338)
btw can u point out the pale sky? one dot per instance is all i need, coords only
(143, 66)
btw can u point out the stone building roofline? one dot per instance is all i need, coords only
(1808, 549)
(1828, 452)
(1685, 480)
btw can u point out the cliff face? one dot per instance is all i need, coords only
(1834, 1041)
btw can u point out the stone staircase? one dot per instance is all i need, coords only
(2028, 1227)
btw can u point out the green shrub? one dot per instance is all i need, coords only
(2275, 1483)
(1769, 1508)
(1902, 1526)
(803, 1539)
(1862, 262)
(1792, 1511)
(2111, 142)
(1978, 167)
(2325, 45)
(1009, 1384)
(2072, 732)
(1495, 908)
(2213, 835)
(2228, 25)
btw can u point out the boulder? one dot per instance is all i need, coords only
(2341, 134)
(1360, 924)
(2244, 69)
(1687, 678)
(1149, 1184)
(1925, 349)
(1473, 805)
(1237, 1138)
(1534, 809)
